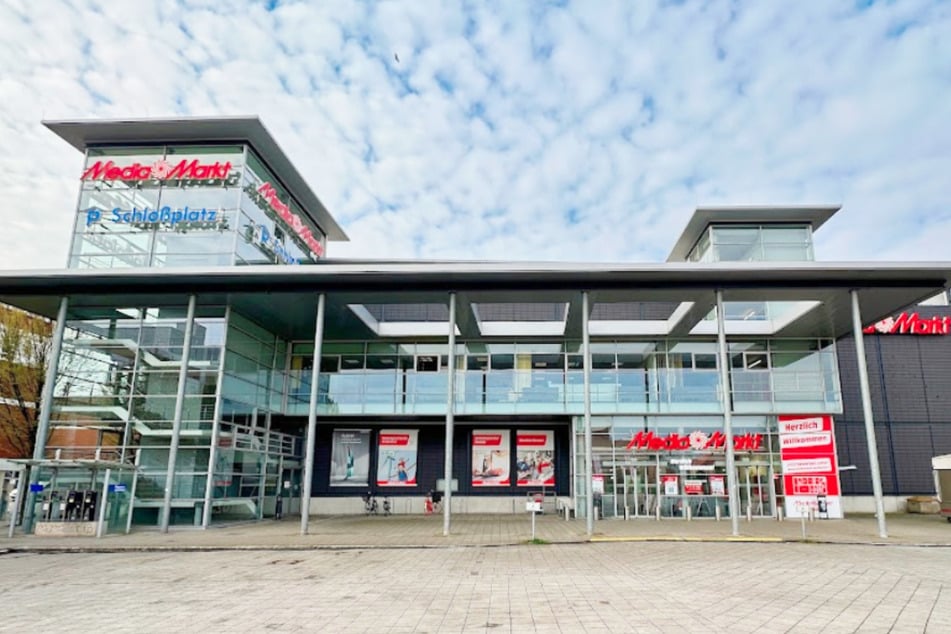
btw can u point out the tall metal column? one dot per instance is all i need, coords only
(724, 363)
(46, 407)
(215, 427)
(588, 457)
(177, 420)
(858, 335)
(311, 438)
(450, 417)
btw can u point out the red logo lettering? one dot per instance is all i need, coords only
(910, 324)
(160, 170)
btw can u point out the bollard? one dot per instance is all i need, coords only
(718, 512)
(803, 518)
(657, 512)
(688, 514)
(779, 513)
(749, 512)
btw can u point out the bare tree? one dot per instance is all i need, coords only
(25, 350)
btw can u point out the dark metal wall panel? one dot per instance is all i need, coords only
(910, 381)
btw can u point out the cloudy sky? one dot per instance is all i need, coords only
(584, 131)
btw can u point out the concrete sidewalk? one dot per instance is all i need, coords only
(417, 531)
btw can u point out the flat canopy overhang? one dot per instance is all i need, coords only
(82, 134)
(284, 297)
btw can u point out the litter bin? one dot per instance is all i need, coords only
(941, 465)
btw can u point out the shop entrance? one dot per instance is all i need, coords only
(696, 485)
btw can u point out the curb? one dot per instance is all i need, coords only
(54, 550)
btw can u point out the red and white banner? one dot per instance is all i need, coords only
(396, 460)
(535, 458)
(670, 483)
(693, 487)
(810, 466)
(491, 456)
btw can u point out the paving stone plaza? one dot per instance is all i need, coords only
(407, 577)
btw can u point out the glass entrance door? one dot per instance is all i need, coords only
(756, 489)
(643, 478)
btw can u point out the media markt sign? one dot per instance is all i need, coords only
(910, 324)
(160, 170)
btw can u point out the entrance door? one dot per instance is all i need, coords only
(756, 489)
(643, 476)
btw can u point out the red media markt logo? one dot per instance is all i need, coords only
(696, 441)
(159, 170)
(910, 324)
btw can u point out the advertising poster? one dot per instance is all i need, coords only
(810, 466)
(396, 460)
(535, 458)
(350, 458)
(717, 485)
(693, 487)
(490, 458)
(597, 484)
(671, 486)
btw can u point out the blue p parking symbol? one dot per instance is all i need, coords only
(93, 215)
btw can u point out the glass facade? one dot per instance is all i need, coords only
(636, 480)
(664, 376)
(117, 385)
(247, 383)
(186, 206)
(754, 243)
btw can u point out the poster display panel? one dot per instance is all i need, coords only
(810, 467)
(671, 484)
(491, 457)
(350, 458)
(396, 460)
(535, 457)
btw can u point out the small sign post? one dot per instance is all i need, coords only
(533, 505)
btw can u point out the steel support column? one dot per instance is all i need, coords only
(858, 335)
(311, 438)
(450, 418)
(177, 420)
(727, 395)
(46, 409)
(215, 428)
(588, 456)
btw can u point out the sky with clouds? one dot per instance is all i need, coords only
(581, 131)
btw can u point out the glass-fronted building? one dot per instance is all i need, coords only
(208, 341)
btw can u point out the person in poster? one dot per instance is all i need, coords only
(536, 458)
(490, 458)
(350, 457)
(396, 461)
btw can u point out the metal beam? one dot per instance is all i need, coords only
(311, 439)
(215, 428)
(46, 408)
(858, 335)
(588, 457)
(725, 390)
(450, 417)
(177, 420)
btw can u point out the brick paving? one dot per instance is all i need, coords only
(400, 574)
(575, 587)
(494, 530)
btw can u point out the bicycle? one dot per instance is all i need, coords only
(369, 504)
